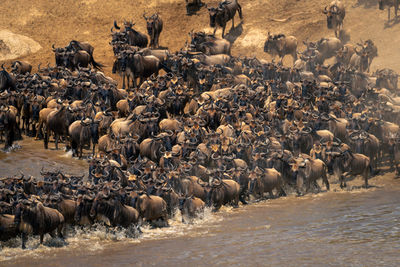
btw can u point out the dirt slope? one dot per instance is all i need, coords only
(59, 21)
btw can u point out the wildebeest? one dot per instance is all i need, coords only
(73, 60)
(111, 211)
(209, 44)
(134, 37)
(191, 207)
(8, 125)
(371, 50)
(7, 227)
(152, 208)
(119, 66)
(327, 47)
(67, 207)
(389, 4)
(34, 218)
(82, 133)
(6, 80)
(335, 14)
(82, 210)
(359, 60)
(309, 171)
(58, 122)
(21, 67)
(154, 28)
(352, 164)
(141, 67)
(387, 78)
(192, 6)
(281, 45)
(265, 182)
(221, 59)
(223, 191)
(85, 46)
(225, 12)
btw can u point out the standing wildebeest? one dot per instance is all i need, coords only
(335, 14)
(120, 67)
(359, 60)
(266, 182)
(58, 122)
(111, 211)
(73, 60)
(8, 125)
(371, 50)
(389, 4)
(6, 80)
(83, 133)
(209, 44)
(190, 207)
(36, 219)
(59, 54)
(85, 46)
(309, 171)
(141, 67)
(223, 191)
(21, 67)
(281, 45)
(7, 227)
(134, 37)
(152, 208)
(348, 163)
(225, 12)
(154, 28)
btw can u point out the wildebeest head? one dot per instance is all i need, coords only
(331, 13)
(363, 54)
(214, 12)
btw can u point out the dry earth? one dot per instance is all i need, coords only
(60, 21)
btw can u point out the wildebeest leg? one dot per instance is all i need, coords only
(123, 81)
(223, 31)
(24, 237)
(282, 192)
(94, 149)
(366, 172)
(80, 150)
(242, 199)
(325, 180)
(388, 13)
(233, 22)
(46, 138)
(56, 140)
(271, 195)
(41, 239)
(235, 203)
(342, 181)
(215, 29)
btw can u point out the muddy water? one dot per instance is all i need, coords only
(29, 156)
(356, 227)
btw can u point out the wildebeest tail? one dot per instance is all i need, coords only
(95, 64)
(240, 10)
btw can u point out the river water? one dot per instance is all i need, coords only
(354, 227)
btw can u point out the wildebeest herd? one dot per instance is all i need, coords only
(210, 131)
